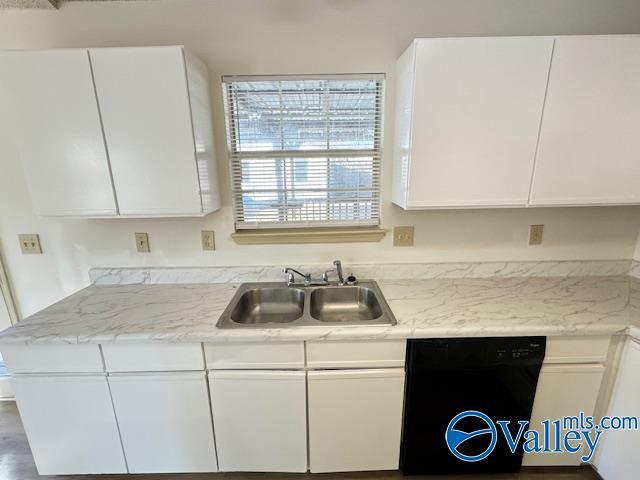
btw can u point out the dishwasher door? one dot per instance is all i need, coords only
(445, 377)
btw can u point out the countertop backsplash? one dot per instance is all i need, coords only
(380, 272)
(634, 269)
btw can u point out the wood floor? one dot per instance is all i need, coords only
(16, 463)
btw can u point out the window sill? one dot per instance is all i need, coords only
(308, 235)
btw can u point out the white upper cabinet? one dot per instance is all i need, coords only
(518, 121)
(146, 97)
(467, 119)
(114, 131)
(589, 142)
(58, 133)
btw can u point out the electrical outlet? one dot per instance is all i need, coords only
(142, 242)
(403, 236)
(535, 234)
(208, 240)
(30, 243)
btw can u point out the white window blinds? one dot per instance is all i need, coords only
(305, 151)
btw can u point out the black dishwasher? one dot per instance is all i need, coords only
(456, 389)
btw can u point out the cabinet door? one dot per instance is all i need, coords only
(70, 424)
(147, 124)
(58, 131)
(589, 141)
(618, 451)
(260, 420)
(563, 390)
(477, 104)
(165, 422)
(355, 419)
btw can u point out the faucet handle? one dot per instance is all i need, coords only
(291, 277)
(325, 275)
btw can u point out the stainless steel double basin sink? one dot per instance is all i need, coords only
(276, 305)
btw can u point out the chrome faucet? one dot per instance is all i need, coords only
(308, 281)
(338, 265)
(291, 279)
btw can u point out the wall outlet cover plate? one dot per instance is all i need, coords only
(142, 242)
(30, 243)
(403, 236)
(535, 234)
(208, 240)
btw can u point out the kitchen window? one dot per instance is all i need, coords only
(305, 151)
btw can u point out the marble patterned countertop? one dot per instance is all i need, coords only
(431, 307)
(634, 302)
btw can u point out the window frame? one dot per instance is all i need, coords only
(235, 156)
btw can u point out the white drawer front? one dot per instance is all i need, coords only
(254, 355)
(52, 358)
(153, 357)
(579, 349)
(362, 354)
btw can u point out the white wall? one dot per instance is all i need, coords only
(5, 320)
(294, 36)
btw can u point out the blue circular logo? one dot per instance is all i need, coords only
(455, 438)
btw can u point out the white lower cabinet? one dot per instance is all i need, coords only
(563, 390)
(260, 420)
(257, 418)
(618, 450)
(70, 423)
(165, 422)
(355, 419)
